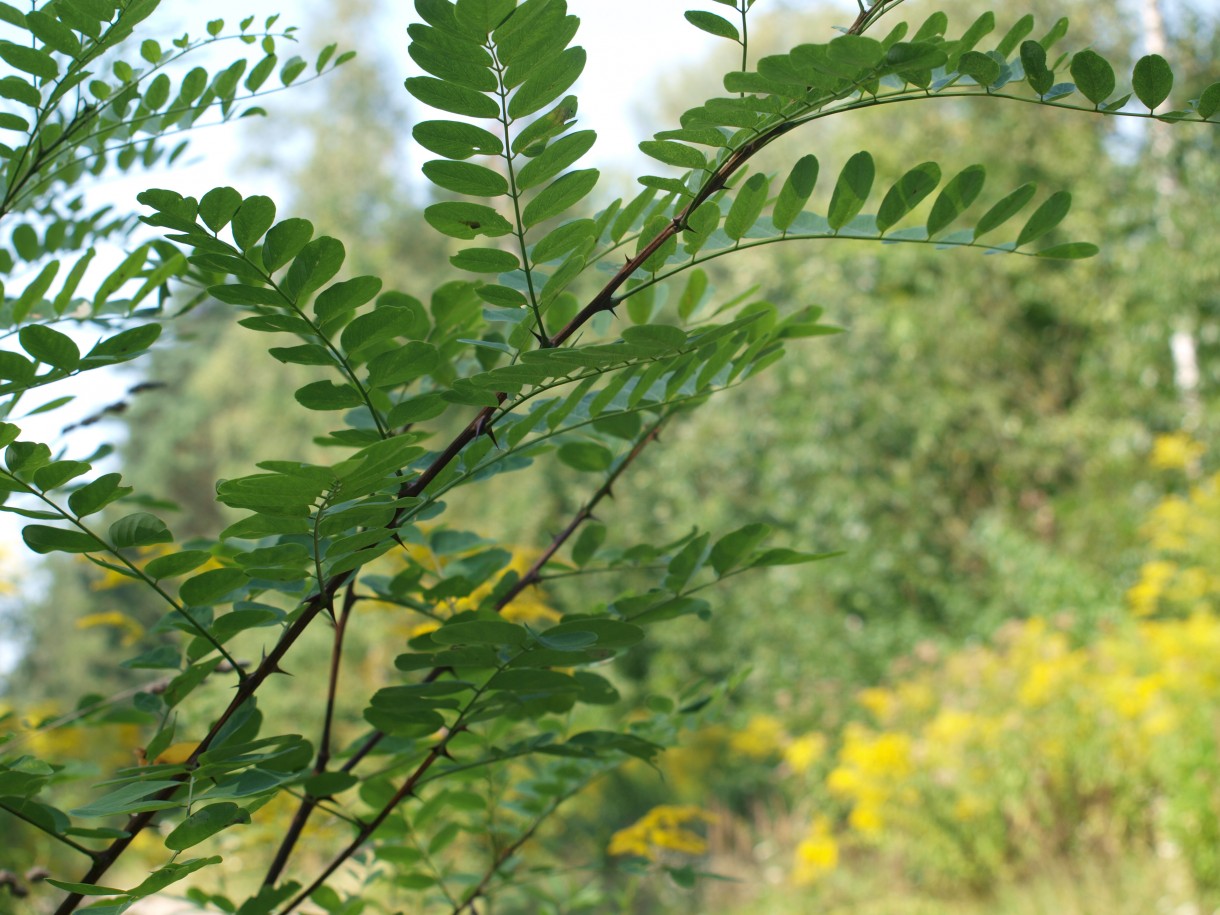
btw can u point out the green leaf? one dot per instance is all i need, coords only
(35, 291)
(961, 191)
(747, 206)
(1209, 101)
(1046, 217)
(449, 96)
(465, 178)
(176, 564)
(559, 195)
(555, 158)
(208, 587)
(1152, 80)
(50, 346)
(1070, 251)
(1004, 210)
(139, 529)
(585, 456)
(483, 16)
(305, 354)
(328, 395)
(53, 33)
(481, 632)
(347, 295)
(43, 539)
(692, 293)
(170, 874)
(672, 153)
(252, 219)
(609, 633)
(795, 192)
(313, 267)
(982, 68)
(1033, 59)
(97, 494)
(712, 24)
(456, 139)
(205, 823)
(402, 365)
(851, 190)
(549, 82)
(284, 242)
(218, 206)
(57, 473)
(564, 238)
(124, 345)
(907, 194)
(458, 219)
(588, 542)
(38, 63)
(732, 548)
(1020, 29)
(1094, 76)
(485, 260)
(293, 67)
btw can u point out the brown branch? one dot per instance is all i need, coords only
(308, 803)
(534, 574)
(269, 665)
(405, 790)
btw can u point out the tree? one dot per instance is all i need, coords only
(529, 360)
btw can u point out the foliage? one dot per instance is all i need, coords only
(493, 715)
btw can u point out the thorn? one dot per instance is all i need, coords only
(275, 667)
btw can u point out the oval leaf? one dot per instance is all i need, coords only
(851, 190)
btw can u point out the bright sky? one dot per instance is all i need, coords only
(631, 44)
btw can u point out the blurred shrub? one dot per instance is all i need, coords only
(978, 767)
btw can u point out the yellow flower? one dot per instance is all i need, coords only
(803, 752)
(1175, 451)
(762, 736)
(662, 829)
(132, 630)
(817, 853)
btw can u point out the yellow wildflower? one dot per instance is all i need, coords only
(662, 829)
(130, 628)
(817, 853)
(803, 752)
(762, 737)
(1175, 451)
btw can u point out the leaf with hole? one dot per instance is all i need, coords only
(458, 219)
(456, 139)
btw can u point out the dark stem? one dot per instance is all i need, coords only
(309, 803)
(104, 859)
(534, 574)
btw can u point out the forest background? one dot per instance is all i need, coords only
(1015, 458)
